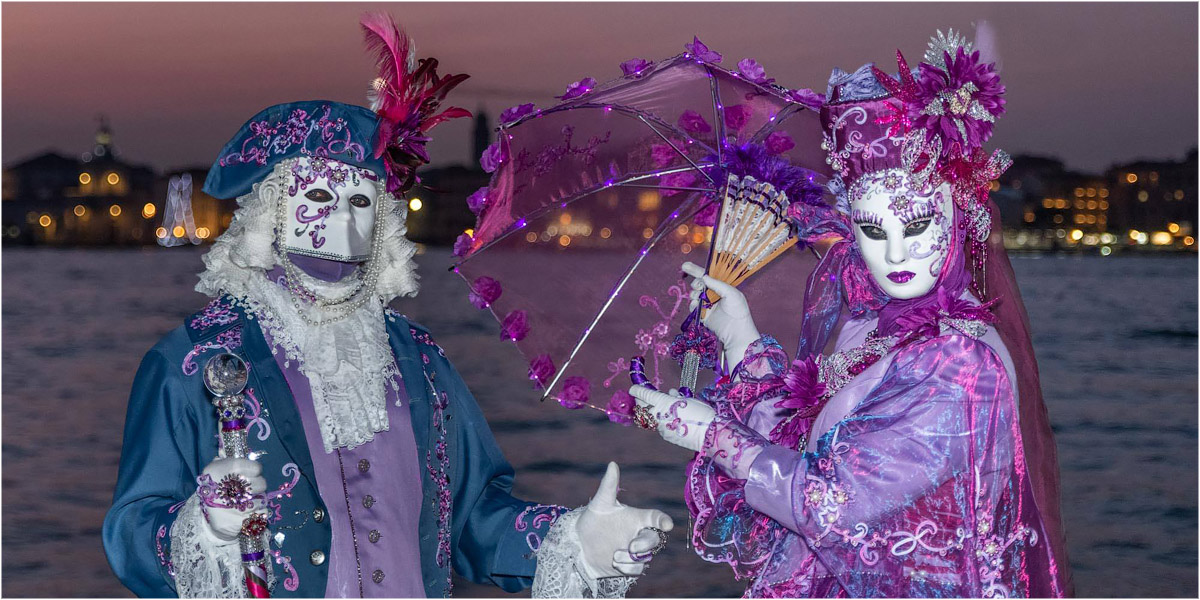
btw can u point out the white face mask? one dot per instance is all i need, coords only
(903, 235)
(330, 210)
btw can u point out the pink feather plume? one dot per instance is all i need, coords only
(408, 95)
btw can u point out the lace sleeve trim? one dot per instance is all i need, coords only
(205, 566)
(559, 574)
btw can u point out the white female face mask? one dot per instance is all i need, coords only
(903, 235)
(330, 210)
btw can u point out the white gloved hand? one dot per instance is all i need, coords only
(226, 523)
(681, 421)
(608, 531)
(729, 319)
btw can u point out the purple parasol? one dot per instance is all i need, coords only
(595, 202)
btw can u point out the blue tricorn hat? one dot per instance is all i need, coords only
(315, 128)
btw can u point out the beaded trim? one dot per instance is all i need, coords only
(837, 369)
(350, 515)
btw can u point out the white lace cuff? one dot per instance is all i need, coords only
(560, 572)
(205, 565)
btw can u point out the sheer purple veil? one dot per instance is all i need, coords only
(1041, 453)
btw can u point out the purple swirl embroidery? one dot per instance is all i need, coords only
(229, 340)
(209, 491)
(676, 422)
(549, 513)
(164, 558)
(217, 312)
(254, 416)
(326, 136)
(285, 489)
(550, 155)
(437, 465)
(292, 583)
(653, 341)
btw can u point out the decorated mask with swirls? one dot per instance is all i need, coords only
(331, 208)
(903, 232)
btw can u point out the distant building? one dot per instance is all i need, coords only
(1156, 198)
(97, 199)
(1045, 206)
(437, 208)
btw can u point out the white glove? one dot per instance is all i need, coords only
(729, 319)
(681, 421)
(225, 523)
(608, 531)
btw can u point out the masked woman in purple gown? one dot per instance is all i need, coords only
(906, 451)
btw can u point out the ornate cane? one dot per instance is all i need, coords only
(225, 376)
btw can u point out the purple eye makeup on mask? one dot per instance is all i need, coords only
(861, 217)
(917, 211)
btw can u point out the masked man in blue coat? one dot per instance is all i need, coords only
(383, 473)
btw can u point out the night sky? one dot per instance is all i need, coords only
(1092, 84)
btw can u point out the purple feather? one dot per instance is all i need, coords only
(756, 161)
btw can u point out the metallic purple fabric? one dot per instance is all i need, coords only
(918, 490)
(392, 481)
(1041, 454)
(870, 143)
(323, 268)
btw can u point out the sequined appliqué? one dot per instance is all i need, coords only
(437, 465)
(545, 513)
(319, 136)
(217, 312)
(164, 556)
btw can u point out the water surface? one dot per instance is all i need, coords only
(1116, 342)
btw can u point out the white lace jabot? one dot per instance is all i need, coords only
(347, 362)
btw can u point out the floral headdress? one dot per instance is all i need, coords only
(406, 96)
(932, 125)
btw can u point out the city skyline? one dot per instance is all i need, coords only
(1090, 104)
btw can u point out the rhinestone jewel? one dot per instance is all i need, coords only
(814, 496)
(837, 369)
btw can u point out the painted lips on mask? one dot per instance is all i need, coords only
(901, 276)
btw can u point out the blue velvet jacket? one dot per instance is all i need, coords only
(469, 519)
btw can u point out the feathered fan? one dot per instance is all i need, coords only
(406, 96)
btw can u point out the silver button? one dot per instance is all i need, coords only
(317, 558)
(373, 536)
(377, 576)
(368, 501)
(364, 465)
(318, 515)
